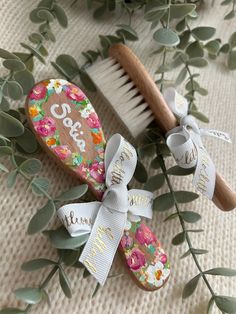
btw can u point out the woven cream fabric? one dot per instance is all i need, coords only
(17, 205)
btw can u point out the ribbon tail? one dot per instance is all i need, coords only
(100, 249)
(140, 203)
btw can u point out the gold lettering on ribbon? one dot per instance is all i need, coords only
(139, 200)
(203, 175)
(72, 220)
(190, 156)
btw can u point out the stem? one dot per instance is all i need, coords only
(192, 86)
(163, 167)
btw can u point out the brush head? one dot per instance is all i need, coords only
(122, 94)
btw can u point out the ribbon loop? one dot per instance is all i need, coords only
(185, 143)
(106, 220)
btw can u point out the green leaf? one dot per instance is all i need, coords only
(11, 310)
(14, 90)
(7, 55)
(190, 287)
(61, 239)
(99, 11)
(140, 173)
(34, 52)
(185, 254)
(155, 182)
(185, 196)
(225, 48)
(195, 50)
(25, 79)
(230, 15)
(73, 193)
(232, 60)
(40, 185)
(180, 26)
(221, 271)
(213, 47)
(86, 81)
(9, 126)
(172, 216)
(190, 216)
(179, 238)
(178, 171)
(5, 151)
(36, 38)
(34, 16)
(70, 257)
(163, 202)
(226, 2)
(96, 289)
(36, 264)
(178, 11)
(4, 104)
(200, 116)
(65, 284)
(3, 168)
(197, 62)
(166, 37)
(181, 77)
(68, 64)
(199, 251)
(27, 59)
(60, 70)
(226, 304)
(127, 31)
(41, 219)
(210, 305)
(14, 64)
(60, 15)
(232, 40)
(155, 15)
(11, 179)
(155, 164)
(203, 32)
(31, 166)
(184, 39)
(45, 15)
(29, 295)
(27, 141)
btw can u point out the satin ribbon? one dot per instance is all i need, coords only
(106, 220)
(185, 143)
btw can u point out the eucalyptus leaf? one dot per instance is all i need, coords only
(200, 116)
(65, 284)
(185, 196)
(232, 40)
(86, 81)
(25, 79)
(29, 295)
(203, 32)
(221, 271)
(45, 15)
(163, 202)
(27, 141)
(199, 251)
(40, 185)
(41, 219)
(179, 238)
(187, 253)
(190, 216)
(225, 303)
(14, 64)
(73, 193)
(37, 264)
(181, 76)
(127, 31)
(96, 289)
(31, 166)
(178, 171)
(61, 239)
(5, 151)
(213, 47)
(155, 15)
(60, 15)
(27, 59)
(155, 164)
(3, 168)
(4, 104)
(11, 179)
(140, 173)
(36, 38)
(190, 287)
(12, 310)
(7, 55)
(60, 70)
(197, 62)
(230, 15)
(210, 305)
(14, 90)
(166, 37)
(99, 12)
(172, 216)
(34, 52)
(232, 60)
(34, 16)
(178, 11)
(184, 39)
(195, 50)
(68, 64)
(155, 182)
(70, 257)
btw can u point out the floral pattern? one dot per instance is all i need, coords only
(144, 255)
(46, 127)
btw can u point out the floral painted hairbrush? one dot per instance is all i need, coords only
(68, 128)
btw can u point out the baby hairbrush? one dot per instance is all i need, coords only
(134, 96)
(68, 128)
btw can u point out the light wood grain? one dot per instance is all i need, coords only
(224, 196)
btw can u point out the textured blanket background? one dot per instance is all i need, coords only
(17, 205)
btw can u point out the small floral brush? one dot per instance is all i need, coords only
(135, 98)
(68, 128)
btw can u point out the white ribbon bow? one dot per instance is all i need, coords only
(106, 220)
(186, 145)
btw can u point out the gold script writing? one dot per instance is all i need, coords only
(72, 220)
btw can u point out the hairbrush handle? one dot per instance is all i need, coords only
(224, 197)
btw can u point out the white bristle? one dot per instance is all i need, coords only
(125, 99)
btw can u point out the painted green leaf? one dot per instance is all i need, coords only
(185, 196)
(155, 182)
(179, 238)
(166, 37)
(36, 264)
(14, 64)
(190, 287)
(221, 271)
(29, 295)
(31, 166)
(64, 283)
(203, 32)
(61, 239)
(11, 179)
(73, 193)
(9, 126)
(11, 310)
(178, 171)
(140, 173)
(41, 219)
(232, 60)
(60, 15)
(197, 62)
(163, 202)
(226, 304)
(40, 185)
(190, 216)
(27, 141)
(178, 11)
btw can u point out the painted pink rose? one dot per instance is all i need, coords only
(75, 93)
(38, 92)
(144, 235)
(136, 259)
(97, 171)
(45, 127)
(93, 121)
(62, 152)
(126, 241)
(163, 258)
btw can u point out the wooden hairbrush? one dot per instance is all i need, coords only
(132, 93)
(68, 128)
